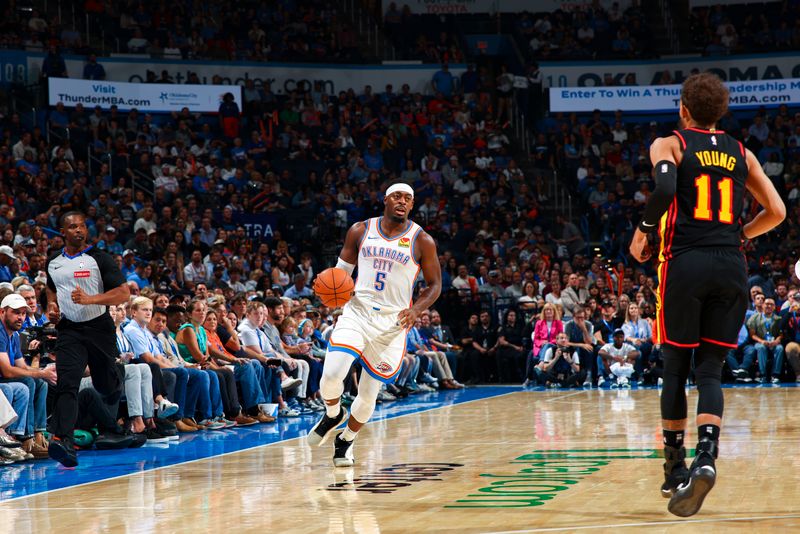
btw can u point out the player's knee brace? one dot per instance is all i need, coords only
(364, 405)
(330, 388)
(676, 370)
(708, 370)
(337, 365)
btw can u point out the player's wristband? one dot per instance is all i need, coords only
(646, 228)
(346, 267)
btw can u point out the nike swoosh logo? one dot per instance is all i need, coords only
(55, 267)
(647, 225)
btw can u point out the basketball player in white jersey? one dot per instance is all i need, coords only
(389, 252)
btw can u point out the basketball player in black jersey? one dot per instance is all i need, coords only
(701, 175)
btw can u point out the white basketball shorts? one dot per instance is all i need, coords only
(374, 337)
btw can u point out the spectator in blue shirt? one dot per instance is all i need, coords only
(110, 243)
(13, 368)
(93, 70)
(6, 259)
(140, 275)
(443, 81)
(299, 290)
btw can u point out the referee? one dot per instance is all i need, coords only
(83, 281)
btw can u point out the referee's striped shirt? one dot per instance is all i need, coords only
(93, 270)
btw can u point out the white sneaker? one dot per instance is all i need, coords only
(288, 412)
(166, 408)
(600, 381)
(624, 382)
(776, 380)
(660, 381)
(290, 383)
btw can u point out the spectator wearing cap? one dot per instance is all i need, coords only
(7, 257)
(560, 364)
(110, 243)
(128, 262)
(146, 220)
(615, 360)
(298, 289)
(492, 286)
(608, 322)
(138, 243)
(13, 310)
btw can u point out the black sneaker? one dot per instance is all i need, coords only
(168, 430)
(321, 432)
(688, 497)
(675, 470)
(113, 440)
(343, 452)
(137, 440)
(154, 436)
(62, 450)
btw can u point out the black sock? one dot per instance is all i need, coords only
(673, 438)
(710, 432)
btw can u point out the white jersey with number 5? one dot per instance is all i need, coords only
(387, 268)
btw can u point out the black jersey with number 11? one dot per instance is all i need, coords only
(709, 194)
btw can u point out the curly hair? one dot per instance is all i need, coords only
(706, 98)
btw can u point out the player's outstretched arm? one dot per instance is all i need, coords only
(432, 272)
(764, 192)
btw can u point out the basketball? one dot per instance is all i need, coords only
(334, 287)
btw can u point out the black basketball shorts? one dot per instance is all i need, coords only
(702, 296)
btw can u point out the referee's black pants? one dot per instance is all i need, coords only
(94, 343)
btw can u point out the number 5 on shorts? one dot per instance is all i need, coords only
(380, 278)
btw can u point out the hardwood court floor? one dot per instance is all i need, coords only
(519, 462)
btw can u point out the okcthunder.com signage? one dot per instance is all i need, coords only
(148, 97)
(665, 98)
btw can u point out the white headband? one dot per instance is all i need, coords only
(405, 188)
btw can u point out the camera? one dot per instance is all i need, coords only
(46, 336)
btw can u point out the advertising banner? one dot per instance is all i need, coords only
(729, 68)
(258, 226)
(145, 97)
(711, 3)
(455, 7)
(664, 98)
(282, 77)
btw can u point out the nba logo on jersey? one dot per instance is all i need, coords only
(714, 140)
(404, 242)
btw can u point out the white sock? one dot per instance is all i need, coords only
(332, 410)
(348, 434)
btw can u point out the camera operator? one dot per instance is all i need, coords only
(560, 365)
(33, 341)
